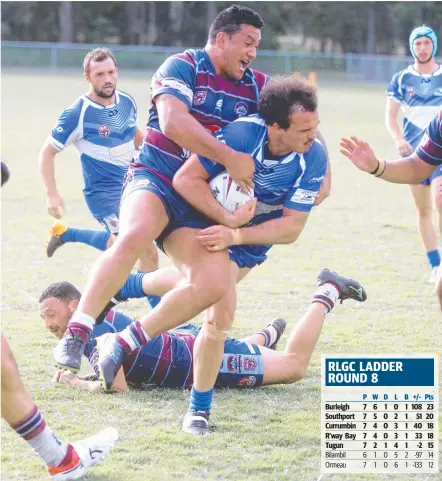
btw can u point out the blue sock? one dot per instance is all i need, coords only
(200, 401)
(152, 300)
(93, 238)
(433, 258)
(133, 287)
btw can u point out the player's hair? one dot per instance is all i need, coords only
(60, 290)
(97, 55)
(230, 20)
(280, 98)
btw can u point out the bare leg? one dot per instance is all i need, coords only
(162, 281)
(209, 346)
(203, 283)
(422, 199)
(142, 219)
(16, 401)
(148, 261)
(291, 365)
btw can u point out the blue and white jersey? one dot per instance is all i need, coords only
(291, 181)
(420, 97)
(104, 139)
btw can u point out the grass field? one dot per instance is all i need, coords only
(366, 230)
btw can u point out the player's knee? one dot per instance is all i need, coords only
(131, 243)
(424, 212)
(295, 370)
(209, 293)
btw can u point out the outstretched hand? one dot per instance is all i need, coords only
(360, 153)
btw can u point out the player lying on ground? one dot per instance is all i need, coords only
(409, 170)
(166, 360)
(64, 461)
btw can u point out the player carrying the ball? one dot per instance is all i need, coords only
(290, 165)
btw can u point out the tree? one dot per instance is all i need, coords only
(66, 22)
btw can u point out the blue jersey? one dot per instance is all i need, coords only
(291, 181)
(213, 101)
(430, 147)
(420, 97)
(104, 138)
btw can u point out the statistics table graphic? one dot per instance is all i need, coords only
(379, 413)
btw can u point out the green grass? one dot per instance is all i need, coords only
(366, 229)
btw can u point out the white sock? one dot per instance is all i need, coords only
(84, 319)
(326, 294)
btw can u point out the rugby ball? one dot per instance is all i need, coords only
(228, 193)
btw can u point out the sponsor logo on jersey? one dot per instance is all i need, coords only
(179, 86)
(200, 97)
(241, 109)
(219, 105)
(103, 131)
(249, 364)
(234, 363)
(58, 128)
(248, 381)
(313, 180)
(212, 129)
(302, 196)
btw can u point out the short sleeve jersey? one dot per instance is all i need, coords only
(214, 101)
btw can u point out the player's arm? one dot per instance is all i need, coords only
(410, 170)
(138, 138)
(325, 189)
(284, 230)
(178, 124)
(391, 113)
(68, 377)
(191, 182)
(55, 202)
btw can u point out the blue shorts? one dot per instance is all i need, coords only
(437, 173)
(106, 212)
(181, 214)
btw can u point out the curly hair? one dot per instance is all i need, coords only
(280, 98)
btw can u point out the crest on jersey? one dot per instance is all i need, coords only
(410, 92)
(241, 109)
(233, 363)
(200, 97)
(249, 364)
(103, 131)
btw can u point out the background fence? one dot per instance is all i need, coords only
(328, 67)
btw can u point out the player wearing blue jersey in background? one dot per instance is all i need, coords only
(417, 91)
(289, 168)
(166, 360)
(420, 165)
(214, 86)
(102, 126)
